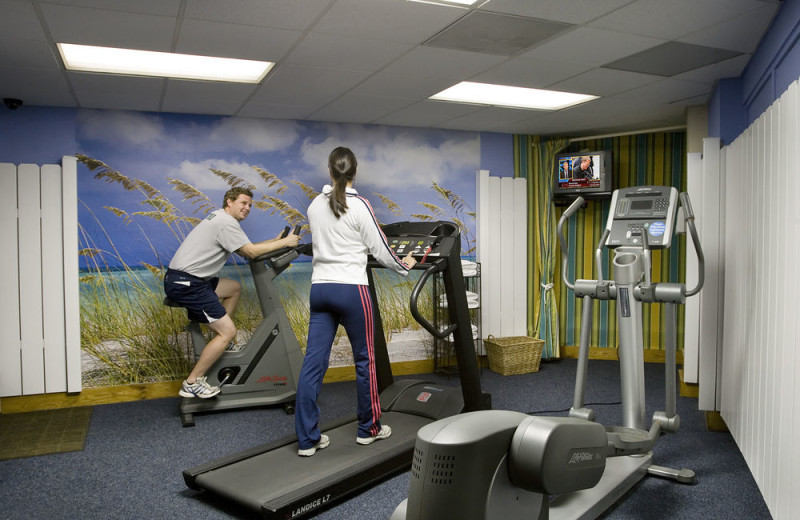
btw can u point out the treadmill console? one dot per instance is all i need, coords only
(639, 210)
(423, 239)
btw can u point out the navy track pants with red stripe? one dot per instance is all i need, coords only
(332, 304)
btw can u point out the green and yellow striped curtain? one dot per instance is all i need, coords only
(534, 159)
(637, 160)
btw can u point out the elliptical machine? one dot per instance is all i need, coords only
(501, 464)
(265, 370)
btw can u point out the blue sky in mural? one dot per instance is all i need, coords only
(398, 163)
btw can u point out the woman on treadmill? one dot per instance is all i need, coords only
(344, 231)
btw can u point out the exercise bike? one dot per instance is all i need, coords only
(502, 464)
(264, 371)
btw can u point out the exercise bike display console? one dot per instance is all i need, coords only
(304, 485)
(496, 465)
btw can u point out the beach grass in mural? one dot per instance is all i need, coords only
(129, 336)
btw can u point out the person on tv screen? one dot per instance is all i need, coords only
(564, 170)
(584, 169)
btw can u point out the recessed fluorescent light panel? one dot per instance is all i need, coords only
(87, 58)
(513, 97)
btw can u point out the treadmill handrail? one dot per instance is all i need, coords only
(423, 279)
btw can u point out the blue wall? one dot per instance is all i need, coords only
(737, 102)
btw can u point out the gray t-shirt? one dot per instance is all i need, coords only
(206, 248)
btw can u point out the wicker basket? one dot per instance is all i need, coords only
(514, 355)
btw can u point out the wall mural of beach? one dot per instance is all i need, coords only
(146, 179)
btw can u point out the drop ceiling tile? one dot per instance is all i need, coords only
(276, 110)
(117, 92)
(741, 33)
(664, 92)
(19, 20)
(160, 7)
(402, 86)
(591, 47)
(391, 20)
(671, 58)
(574, 12)
(235, 40)
(444, 63)
(530, 73)
(35, 54)
(604, 82)
(427, 114)
(354, 108)
(109, 28)
(672, 19)
(293, 15)
(205, 97)
(495, 33)
(324, 50)
(291, 84)
(486, 118)
(36, 87)
(710, 74)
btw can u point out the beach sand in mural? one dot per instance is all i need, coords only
(407, 345)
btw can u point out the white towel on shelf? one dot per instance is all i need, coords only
(469, 268)
(474, 332)
(473, 301)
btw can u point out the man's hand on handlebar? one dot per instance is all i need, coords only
(290, 240)
(409, 260)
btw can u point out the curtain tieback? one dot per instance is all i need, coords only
(547, 286)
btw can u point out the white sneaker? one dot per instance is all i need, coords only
(200, 388)
(385, 432)
(321, 445)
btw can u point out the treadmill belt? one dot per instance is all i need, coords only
(279, 480)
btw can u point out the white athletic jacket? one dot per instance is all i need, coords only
(341, 245)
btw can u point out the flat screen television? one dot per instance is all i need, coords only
(585, 174)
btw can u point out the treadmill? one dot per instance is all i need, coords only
(274, 481)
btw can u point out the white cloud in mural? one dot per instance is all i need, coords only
(199, 175)
(386, 160)
(252, 135)
(122, 128)
(228, 134)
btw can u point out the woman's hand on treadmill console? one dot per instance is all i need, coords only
(409, 260)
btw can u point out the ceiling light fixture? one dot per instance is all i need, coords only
(513, 97)
(88, 58)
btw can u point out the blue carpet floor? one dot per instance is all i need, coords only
(135, 453)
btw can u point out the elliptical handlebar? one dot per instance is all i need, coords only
(688, 212)
(571, 210)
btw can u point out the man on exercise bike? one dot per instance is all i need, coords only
(192, 279)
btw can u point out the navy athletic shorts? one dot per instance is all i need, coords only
(195, 294)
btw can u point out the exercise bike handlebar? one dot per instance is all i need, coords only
(282, 257)
(571, 210)
(423, 279)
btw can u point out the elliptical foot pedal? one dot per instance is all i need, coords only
(684, 476)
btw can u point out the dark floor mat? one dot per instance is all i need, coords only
(44, 432)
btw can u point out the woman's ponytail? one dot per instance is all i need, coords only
(342, 165)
